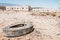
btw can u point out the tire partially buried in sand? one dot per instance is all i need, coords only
(18, 30)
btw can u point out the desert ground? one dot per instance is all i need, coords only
(46, 25)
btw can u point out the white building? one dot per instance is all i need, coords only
(38, 9)
(41, 9)
(59, 7)
(20, 8)
(29, 8)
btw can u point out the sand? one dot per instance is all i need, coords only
(45, 27)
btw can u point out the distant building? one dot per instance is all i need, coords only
(29, 8)
(2, 8)
(59, 7)
(41, 9)
(20, 8)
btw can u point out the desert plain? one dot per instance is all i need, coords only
(46, 25)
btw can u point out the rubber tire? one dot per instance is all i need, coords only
(18, 31)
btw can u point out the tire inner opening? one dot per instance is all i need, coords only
(19, 25)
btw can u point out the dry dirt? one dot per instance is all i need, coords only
(45, 27)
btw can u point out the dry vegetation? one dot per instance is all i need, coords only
(54, 14)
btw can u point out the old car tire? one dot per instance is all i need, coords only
(18, 30)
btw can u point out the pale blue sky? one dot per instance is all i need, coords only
(39, 3)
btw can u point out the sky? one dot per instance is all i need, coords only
(36, 3)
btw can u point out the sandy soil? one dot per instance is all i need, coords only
(45, 27)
